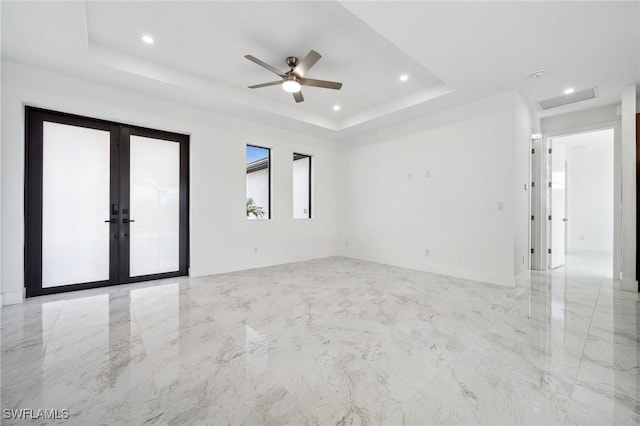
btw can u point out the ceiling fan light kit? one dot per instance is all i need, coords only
(293, 80)
(291, 85)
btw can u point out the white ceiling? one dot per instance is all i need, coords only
(453, 52)
(497, 45)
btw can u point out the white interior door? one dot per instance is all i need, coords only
(558, 205)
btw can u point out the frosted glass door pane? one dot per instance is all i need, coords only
(75, 204)
(155, 206)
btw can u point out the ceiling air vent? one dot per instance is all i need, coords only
(582, 95)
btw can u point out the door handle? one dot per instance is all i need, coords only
(128, 220)
(111, 221)
(564, 219)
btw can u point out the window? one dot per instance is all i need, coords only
(301, 186)
(258, 161)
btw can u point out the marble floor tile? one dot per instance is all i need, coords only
(331, 341)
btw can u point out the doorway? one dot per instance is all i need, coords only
(581, 194)
(105, 203)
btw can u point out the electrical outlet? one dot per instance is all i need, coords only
(500, 206)
(427, 252)
(427, 173)
(410, 175)
(581, 237)
(255, 249)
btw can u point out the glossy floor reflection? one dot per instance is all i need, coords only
(331, 341)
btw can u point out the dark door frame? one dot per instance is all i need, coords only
(119, 199)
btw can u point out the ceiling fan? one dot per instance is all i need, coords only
(293, 80)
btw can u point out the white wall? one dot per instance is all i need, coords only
(221, 238)
(439, 194)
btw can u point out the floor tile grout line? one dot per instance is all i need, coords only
(144, 347)
(55, 323)
(584, 345)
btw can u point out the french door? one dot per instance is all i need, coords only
(105, 203)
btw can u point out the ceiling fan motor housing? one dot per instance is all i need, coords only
(292, 61)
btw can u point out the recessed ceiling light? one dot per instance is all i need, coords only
(569, 91)
(404, 77)
(537, 74)
(336, 107)
(147, 39)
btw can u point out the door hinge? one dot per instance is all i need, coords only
(549, 184)
(533, 151)
(532, 251)
(549, 217)
(549, 150)
(549, 251)
(533, 184)
(533, 217)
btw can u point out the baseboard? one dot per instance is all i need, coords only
(223, 268)
(523, 276)
(12, 298)
(465, 274)
(629, 285)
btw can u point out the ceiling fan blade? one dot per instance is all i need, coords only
(303, 66)
(257, 86)
(321, 83)
(298, 96)
(265, 65)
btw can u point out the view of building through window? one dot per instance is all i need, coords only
(258, 182)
